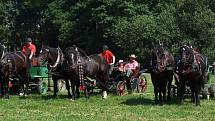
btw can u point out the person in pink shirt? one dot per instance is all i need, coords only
(131, 69)
(131, 66)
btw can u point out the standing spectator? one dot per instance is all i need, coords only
(109, 56)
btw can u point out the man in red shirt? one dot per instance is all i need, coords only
(109, 56)
(29, 46)
(29, 49)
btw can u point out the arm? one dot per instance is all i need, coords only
(113, 60)
(31, 55)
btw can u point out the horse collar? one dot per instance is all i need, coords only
(58, 59)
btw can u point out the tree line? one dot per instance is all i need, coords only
(126, 26)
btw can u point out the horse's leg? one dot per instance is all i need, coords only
(181, 91)
(104, 78)
(55, 86)
(77, 85)
(68, 88)
(197, 92)
(156, 94)
(169, 86)
(192, 94)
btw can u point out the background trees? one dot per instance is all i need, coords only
(127, 26)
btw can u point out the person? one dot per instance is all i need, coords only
(29, 49)
(131, 69)
(29, 46)
(131, 66)
(109, 56)
(120, 66)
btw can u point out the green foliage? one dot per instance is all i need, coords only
(126, 26)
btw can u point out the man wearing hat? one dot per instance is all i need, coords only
(131, 68)
(29, 49)
(29, 46)
(109, 56)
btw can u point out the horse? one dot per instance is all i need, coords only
(192, 69)
(14, 64)
(58, 68)
(162, 63)
(93, 66)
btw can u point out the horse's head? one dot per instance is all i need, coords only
(44, 54)
(158, 58)
(186, 54)
(72, 56)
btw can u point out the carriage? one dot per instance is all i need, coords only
(119, 85)
(38, 76)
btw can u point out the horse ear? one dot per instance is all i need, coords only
(153, 44)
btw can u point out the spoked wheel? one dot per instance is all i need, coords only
(142, 84)
(120, 88)
(42, 87)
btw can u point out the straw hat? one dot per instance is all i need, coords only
(133, 56)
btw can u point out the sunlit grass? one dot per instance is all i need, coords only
(128, 107)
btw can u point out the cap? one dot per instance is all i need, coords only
(29, 40)
(120, 61)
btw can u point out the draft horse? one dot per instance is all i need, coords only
(58, 68)
(14, 64)
(93, 66)
(192, 68)
(162, 63)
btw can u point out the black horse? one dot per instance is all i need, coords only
(58, 68)
(162, 63)
(14, 65)
(93, 66)
(192, 70)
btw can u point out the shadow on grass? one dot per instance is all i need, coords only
(145, 101)
(138, 101)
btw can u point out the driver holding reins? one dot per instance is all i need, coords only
(29, 46)
(109, 56)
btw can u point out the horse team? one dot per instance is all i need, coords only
(73, 65)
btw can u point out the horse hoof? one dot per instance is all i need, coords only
(21, 94)
(72, 99)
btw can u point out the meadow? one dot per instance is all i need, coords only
(129, 107)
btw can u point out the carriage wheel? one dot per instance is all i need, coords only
(42, 87)
(120, 88)
(142, 84)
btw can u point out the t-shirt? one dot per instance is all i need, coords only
(32, 47)
(131, 65)
(108, 55)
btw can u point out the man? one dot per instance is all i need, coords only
(29, 46)
(29, 49)
(131, 66)
(109, 56)
(131, 69)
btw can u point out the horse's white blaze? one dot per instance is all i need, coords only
(105, 94)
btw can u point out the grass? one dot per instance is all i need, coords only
(127, 108)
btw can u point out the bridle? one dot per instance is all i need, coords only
(58, 61)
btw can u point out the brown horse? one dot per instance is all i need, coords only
(94, 66)
(58, 68)
(14, 64)
(192, 69)
(162, 63)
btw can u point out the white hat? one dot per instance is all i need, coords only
(133, 56)
(120, 61)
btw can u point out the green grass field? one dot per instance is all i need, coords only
(127, 108)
